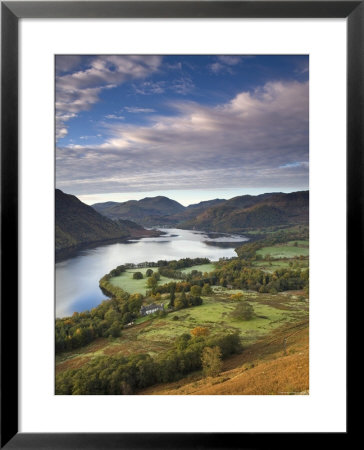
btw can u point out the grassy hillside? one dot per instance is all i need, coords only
(79, 224)
(263, 369)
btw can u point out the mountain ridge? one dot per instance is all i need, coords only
(78, 224)
(233, 215)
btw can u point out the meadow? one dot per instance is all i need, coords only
(284, 250)
(126, 282)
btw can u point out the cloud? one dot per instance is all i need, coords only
(80, 90)
(230, 60)
(256, 139)
(225, 62)
(65, 63)
(135, 109)
(114, 117)
(182, 85)
(91, 137)
(150, 87)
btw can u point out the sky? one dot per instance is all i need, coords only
(189, 127)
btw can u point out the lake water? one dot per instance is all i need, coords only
(77, 278)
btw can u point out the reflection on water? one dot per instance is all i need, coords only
(77, 278)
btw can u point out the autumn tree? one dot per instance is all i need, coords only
(211, 361)
(237, 297)
(200, 331)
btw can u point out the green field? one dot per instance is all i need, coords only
(126, 282)
(201, 268)
(283, 251)
(299, 243)
(271, 266)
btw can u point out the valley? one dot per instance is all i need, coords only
(182, 241)
(202, 301)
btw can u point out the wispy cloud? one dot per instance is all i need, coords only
(80, 90)
(136, 109)
(181, 85)
(114, 117)
(224, 63)
(150, 87)
(257, 138)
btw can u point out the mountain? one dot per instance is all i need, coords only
(247, 211)
(104, 206)
(192, 211)
(237, 214)
(148, 211)
(78, 224)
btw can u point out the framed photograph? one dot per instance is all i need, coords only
(181, 191)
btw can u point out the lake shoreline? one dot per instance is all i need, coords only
(71, 252)
(79, 270)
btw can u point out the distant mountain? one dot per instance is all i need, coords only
(104, 206)
(234, 215)
(78, 224)
(247, 211)
(148, 211)
(192, 211)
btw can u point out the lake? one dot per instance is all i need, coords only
(77, 278)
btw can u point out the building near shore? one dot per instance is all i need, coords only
(150, 309)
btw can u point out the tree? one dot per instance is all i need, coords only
(111, 315)
(149, 273)
(200, 331)
(211, 361)
(172, 295)
(237, 297)
(206, 290)
(152, 283)
(183, 298)
(196, 290)
(137, 275)
(243, 311)
(114, 330)
(156, 275)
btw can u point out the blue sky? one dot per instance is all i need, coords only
(189, 127)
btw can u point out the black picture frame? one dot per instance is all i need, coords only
(11, 12)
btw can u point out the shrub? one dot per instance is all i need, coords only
(211, 361)
(200, 331)
(243, 311)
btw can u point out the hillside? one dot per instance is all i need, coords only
(148, 211)
(78, 224)
(263, 369)
(191, 211)
(245, 212)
